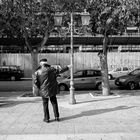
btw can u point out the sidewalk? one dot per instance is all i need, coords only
(115, 117)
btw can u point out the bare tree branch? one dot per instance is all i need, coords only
(27, 39)
(45, 39)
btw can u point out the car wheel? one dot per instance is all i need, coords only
(62, 87)
(13, 78)
(110, 77)
(131, 85)
(99, 86)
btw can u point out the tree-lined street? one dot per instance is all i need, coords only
(89, 115)
(33, 19)
(23, 85)
(26, 85)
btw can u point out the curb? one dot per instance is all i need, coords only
(99, 136)
(28, 98)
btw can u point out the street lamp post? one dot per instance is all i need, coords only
(139, 17)
(72, 97)
(85, 21)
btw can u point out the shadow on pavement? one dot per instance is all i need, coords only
(97, 100)
(11, 103)
(96, 112)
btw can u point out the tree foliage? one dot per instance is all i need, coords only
(132, 12)
(18, 17)
(112, 17)
(72, 5)
(34, 17)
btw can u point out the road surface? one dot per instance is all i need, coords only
(26, 85)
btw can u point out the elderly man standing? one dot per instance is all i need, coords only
(46, 81)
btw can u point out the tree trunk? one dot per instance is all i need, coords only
(34, 61)
(104, 68)
(34, 55)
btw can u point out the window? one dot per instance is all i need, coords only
(91, 73)
(118, 69)
(98, 73)
(13, 68)
(5, 68)
(125, 69)
(78, 74)
(135, 72)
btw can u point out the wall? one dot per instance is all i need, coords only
(81, 60)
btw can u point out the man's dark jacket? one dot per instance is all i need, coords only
(46, 80)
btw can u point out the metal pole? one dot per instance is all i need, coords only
(139, 16)
(72, 98)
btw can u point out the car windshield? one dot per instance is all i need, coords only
(135, 72)
(77, 74)
(13, 68)
(118, 69)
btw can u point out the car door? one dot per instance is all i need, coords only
(92, 78)
(0, 72)
(4, 72)
(79, 79)
(13, 71)
(117, 72)
(137, 76)
(124, 71)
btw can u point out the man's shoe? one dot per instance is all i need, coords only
(45, 120)
(57, 119)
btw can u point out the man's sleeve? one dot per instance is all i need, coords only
(63, 70)
(36, 81)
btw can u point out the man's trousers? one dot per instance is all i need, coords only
(46, 107)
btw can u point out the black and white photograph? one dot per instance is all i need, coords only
(69, 69)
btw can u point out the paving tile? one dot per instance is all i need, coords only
(31, 131)
(101, 118)
(49, 129)
(66, 129)
(14, 131)
(135, 128)
(82, 129)
(36, 137)
(110, 129)
(3, 137)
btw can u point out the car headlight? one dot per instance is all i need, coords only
(122, 80)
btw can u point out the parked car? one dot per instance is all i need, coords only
(83, 79)
(11, 72)
(130, 81)
(56, 66)
(62, 75)
(117, 72)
